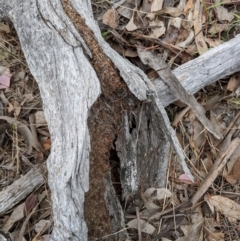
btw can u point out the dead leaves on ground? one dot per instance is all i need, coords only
(24, 142)
(215, 165)
(180, 31)
(37, 207)
(191, 27)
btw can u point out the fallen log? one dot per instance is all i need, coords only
(59, 58)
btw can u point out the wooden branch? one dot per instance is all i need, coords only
(68, 86)
(59, 61)
(21, 188)
(143, 151)
(210, 67)
(161, 67)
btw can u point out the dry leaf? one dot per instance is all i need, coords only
(174, 12)
(45, 237)
(176, 22)
(15, 236)
(231, 179)
(117, 47)
(192, 49)
(47, 144)
(188, 41)
(17, 108)
(30, 203)
(157, 32)
(224, 205)
(150, 16)
(235, 175)
(218, 28)
(4, 28)
(5, 81)
(179, 116)
(236, 170)
(28, 98)
(156, 5)
(3, 98)
(130, 53)
(17, 214)
(146, 6)
(213, 101)
(4, 70)
(223, 14)
(193, 232)
(25, 132)
(190, 117)
(40, 119)
(125, 10)
(152, 194)
(41, 225)
(131, 26)
(199, 38)
(185, 178)
(20, 75)
(10, 107)
(234, 82)
(157, 193)
(207, 162)
(151, 206)
(145, 226)
(214, 121)
(213, 42)
(216, 236)
(189, 23)
(189, 6)
(110, 18)
(4, 77)
(234, 158)
(198, 134)
(43, 132)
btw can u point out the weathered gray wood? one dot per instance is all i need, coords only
(115, 211)
(213, 65)
(57, 57)
(143, 151)
(164, 71)
(22, 187)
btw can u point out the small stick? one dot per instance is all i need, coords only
(139, 224)
(216, 169)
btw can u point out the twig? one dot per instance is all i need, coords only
(220, 162)
(158, 64)
(139, 224)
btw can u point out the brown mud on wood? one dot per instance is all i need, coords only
(104, 121)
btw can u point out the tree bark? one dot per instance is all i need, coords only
(74, 97)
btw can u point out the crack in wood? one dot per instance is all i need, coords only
(105, 119)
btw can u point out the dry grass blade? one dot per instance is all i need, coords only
(216, 168)
(139, 225)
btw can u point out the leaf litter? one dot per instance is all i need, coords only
(180, 31)
(22, 142)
